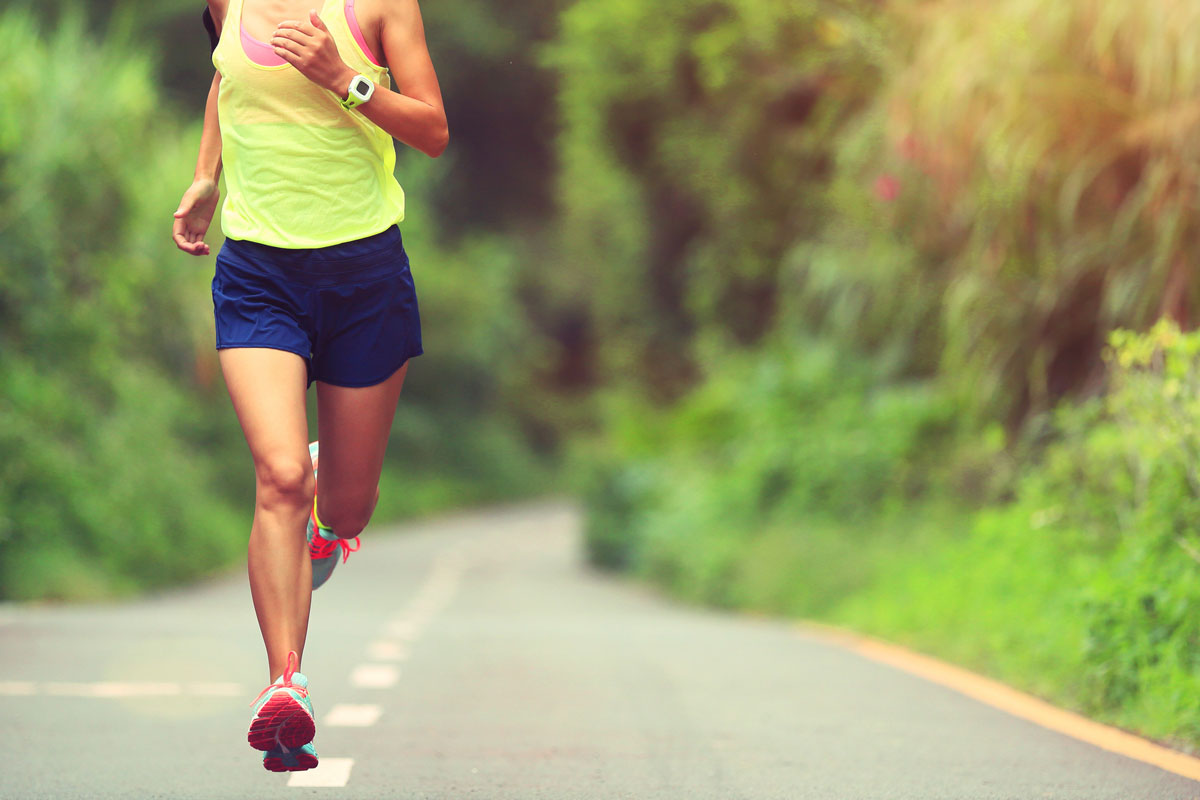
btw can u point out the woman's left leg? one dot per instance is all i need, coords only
(353, 426)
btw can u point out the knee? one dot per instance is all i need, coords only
(346, 522)
(284, 483)
(348, 516)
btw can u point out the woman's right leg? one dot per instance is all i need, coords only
(268, 390)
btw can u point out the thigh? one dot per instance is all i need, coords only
(353, 426)
(268, 389)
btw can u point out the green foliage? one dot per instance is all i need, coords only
(763, 457)
(1125, 477)
(695, 141)
(105, 418)
(1084, 587)
(497, 174)
(862, 280)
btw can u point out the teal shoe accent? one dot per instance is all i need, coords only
(282, 759)
(322, 565)
(324, 546)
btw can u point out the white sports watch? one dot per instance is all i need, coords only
(361, 89)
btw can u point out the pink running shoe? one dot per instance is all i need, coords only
(283, 714)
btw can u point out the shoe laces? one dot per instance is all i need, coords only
(293, 664)
(320, 547)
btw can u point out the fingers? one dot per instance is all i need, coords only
(289, 41)
(300, 26)
(289, 51)
(295, 34)
(189, 240)
(292, 34)
(191, 248)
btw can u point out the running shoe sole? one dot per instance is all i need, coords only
(283, 720)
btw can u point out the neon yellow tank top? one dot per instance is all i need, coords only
(300, 170)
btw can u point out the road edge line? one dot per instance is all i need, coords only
(1006, 698)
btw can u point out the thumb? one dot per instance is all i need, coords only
(179, 212)
(316, 20)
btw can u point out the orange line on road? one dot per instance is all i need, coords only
(1008, 699)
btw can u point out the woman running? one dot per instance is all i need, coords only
(311, 284)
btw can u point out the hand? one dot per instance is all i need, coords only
(309, 47)
(194, 215)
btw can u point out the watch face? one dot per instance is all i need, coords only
(361, 86)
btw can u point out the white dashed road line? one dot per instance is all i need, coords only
(383, 650)
(436, 591)
(214, 689)
(113, 689)
(374, 676)
(330, 772)
(17, 688)
(406, 629)
(348, 716)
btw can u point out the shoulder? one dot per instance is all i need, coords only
(402, 14)
(216, 11)
(386, 16)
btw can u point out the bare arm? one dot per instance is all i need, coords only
(199, 202)
(208, 163)
(413, 113)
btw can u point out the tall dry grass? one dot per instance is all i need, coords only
(1054, 151)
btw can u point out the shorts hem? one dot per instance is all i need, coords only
(346, 384)
(261, 346)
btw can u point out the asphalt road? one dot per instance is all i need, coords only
(475, 656)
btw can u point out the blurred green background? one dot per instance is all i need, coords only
(870, 311)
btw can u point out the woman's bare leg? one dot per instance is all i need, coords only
(268, 392)
(353, 426)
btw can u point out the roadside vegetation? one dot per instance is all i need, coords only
(895, 259)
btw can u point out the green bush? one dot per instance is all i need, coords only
(781, 440)
(111, 446)
(1083, 589)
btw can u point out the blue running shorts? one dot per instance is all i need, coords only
(349, 310)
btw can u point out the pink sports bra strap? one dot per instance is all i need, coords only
(260, 52)
(265, 55)
(352, 21)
